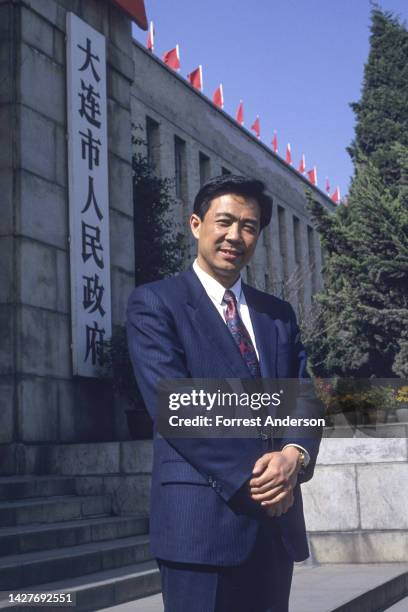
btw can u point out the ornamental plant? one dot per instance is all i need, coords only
(402, 397)
(159, 253)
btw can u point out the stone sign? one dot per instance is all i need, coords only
(88, 195)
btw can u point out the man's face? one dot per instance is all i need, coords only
(227, 236)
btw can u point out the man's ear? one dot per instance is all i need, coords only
(195, 224)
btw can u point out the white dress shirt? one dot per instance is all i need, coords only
(215, 292)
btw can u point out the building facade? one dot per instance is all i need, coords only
(67, 433)
(188, 139)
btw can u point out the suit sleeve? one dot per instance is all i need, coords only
(306, 405)
(157, 353)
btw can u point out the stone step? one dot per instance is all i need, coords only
(83, 459)
(23, 487)
(400, 606)
(29, 538)
(363, 587)
(20, 571)
(101, 589)
(59, 508)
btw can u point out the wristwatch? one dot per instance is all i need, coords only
(303, 459)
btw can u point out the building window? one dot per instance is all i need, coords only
(153, 143)
(266, 282)
(249, 275)
(310, 245)
(312, 257)
(282, 231)
(180, 166)
(205, 171)
(225, 171)
(296, 240)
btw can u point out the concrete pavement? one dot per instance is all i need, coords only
(327, 588)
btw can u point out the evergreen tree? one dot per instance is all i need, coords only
(382, 112)
(360, 327)
(361, 324)
(159, 247)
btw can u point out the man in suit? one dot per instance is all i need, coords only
(226, 514)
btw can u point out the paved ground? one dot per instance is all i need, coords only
(401, 606)
(314, 588)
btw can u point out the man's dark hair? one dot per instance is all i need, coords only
(237, 185)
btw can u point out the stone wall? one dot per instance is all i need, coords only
(119, 469)
(355, 505)
(42, 401)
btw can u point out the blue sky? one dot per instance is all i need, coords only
(296, 63)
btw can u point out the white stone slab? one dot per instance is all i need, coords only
(383, 494)
(359, 547)
(362, 450)
(330, 499)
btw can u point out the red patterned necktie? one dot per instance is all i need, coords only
(240, 334)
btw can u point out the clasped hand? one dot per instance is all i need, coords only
(273, 480)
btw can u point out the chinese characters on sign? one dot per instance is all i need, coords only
(88, 195)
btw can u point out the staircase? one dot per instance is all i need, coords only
(52, 539)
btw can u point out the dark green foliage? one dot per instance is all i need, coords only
(360, 324)
(118, 367)
(159, 248)
(159, 252)
(382, 112)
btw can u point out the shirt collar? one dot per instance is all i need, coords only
(213, 288)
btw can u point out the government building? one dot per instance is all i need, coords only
(189, 139)
(73, 82)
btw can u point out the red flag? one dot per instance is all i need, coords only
(240, 113)
(312, 174)
(327, 185)
(288, 155)
(275, 142)
(256, 127)
(150, 37)
(172, 58)
(336, 196)
(302, 164)
(218, 97)
(196, 78)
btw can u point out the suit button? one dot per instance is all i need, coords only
(214, 484)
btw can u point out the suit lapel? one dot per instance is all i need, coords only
(264, 330)
(211, 326)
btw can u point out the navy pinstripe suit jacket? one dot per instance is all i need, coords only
(200, 511)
